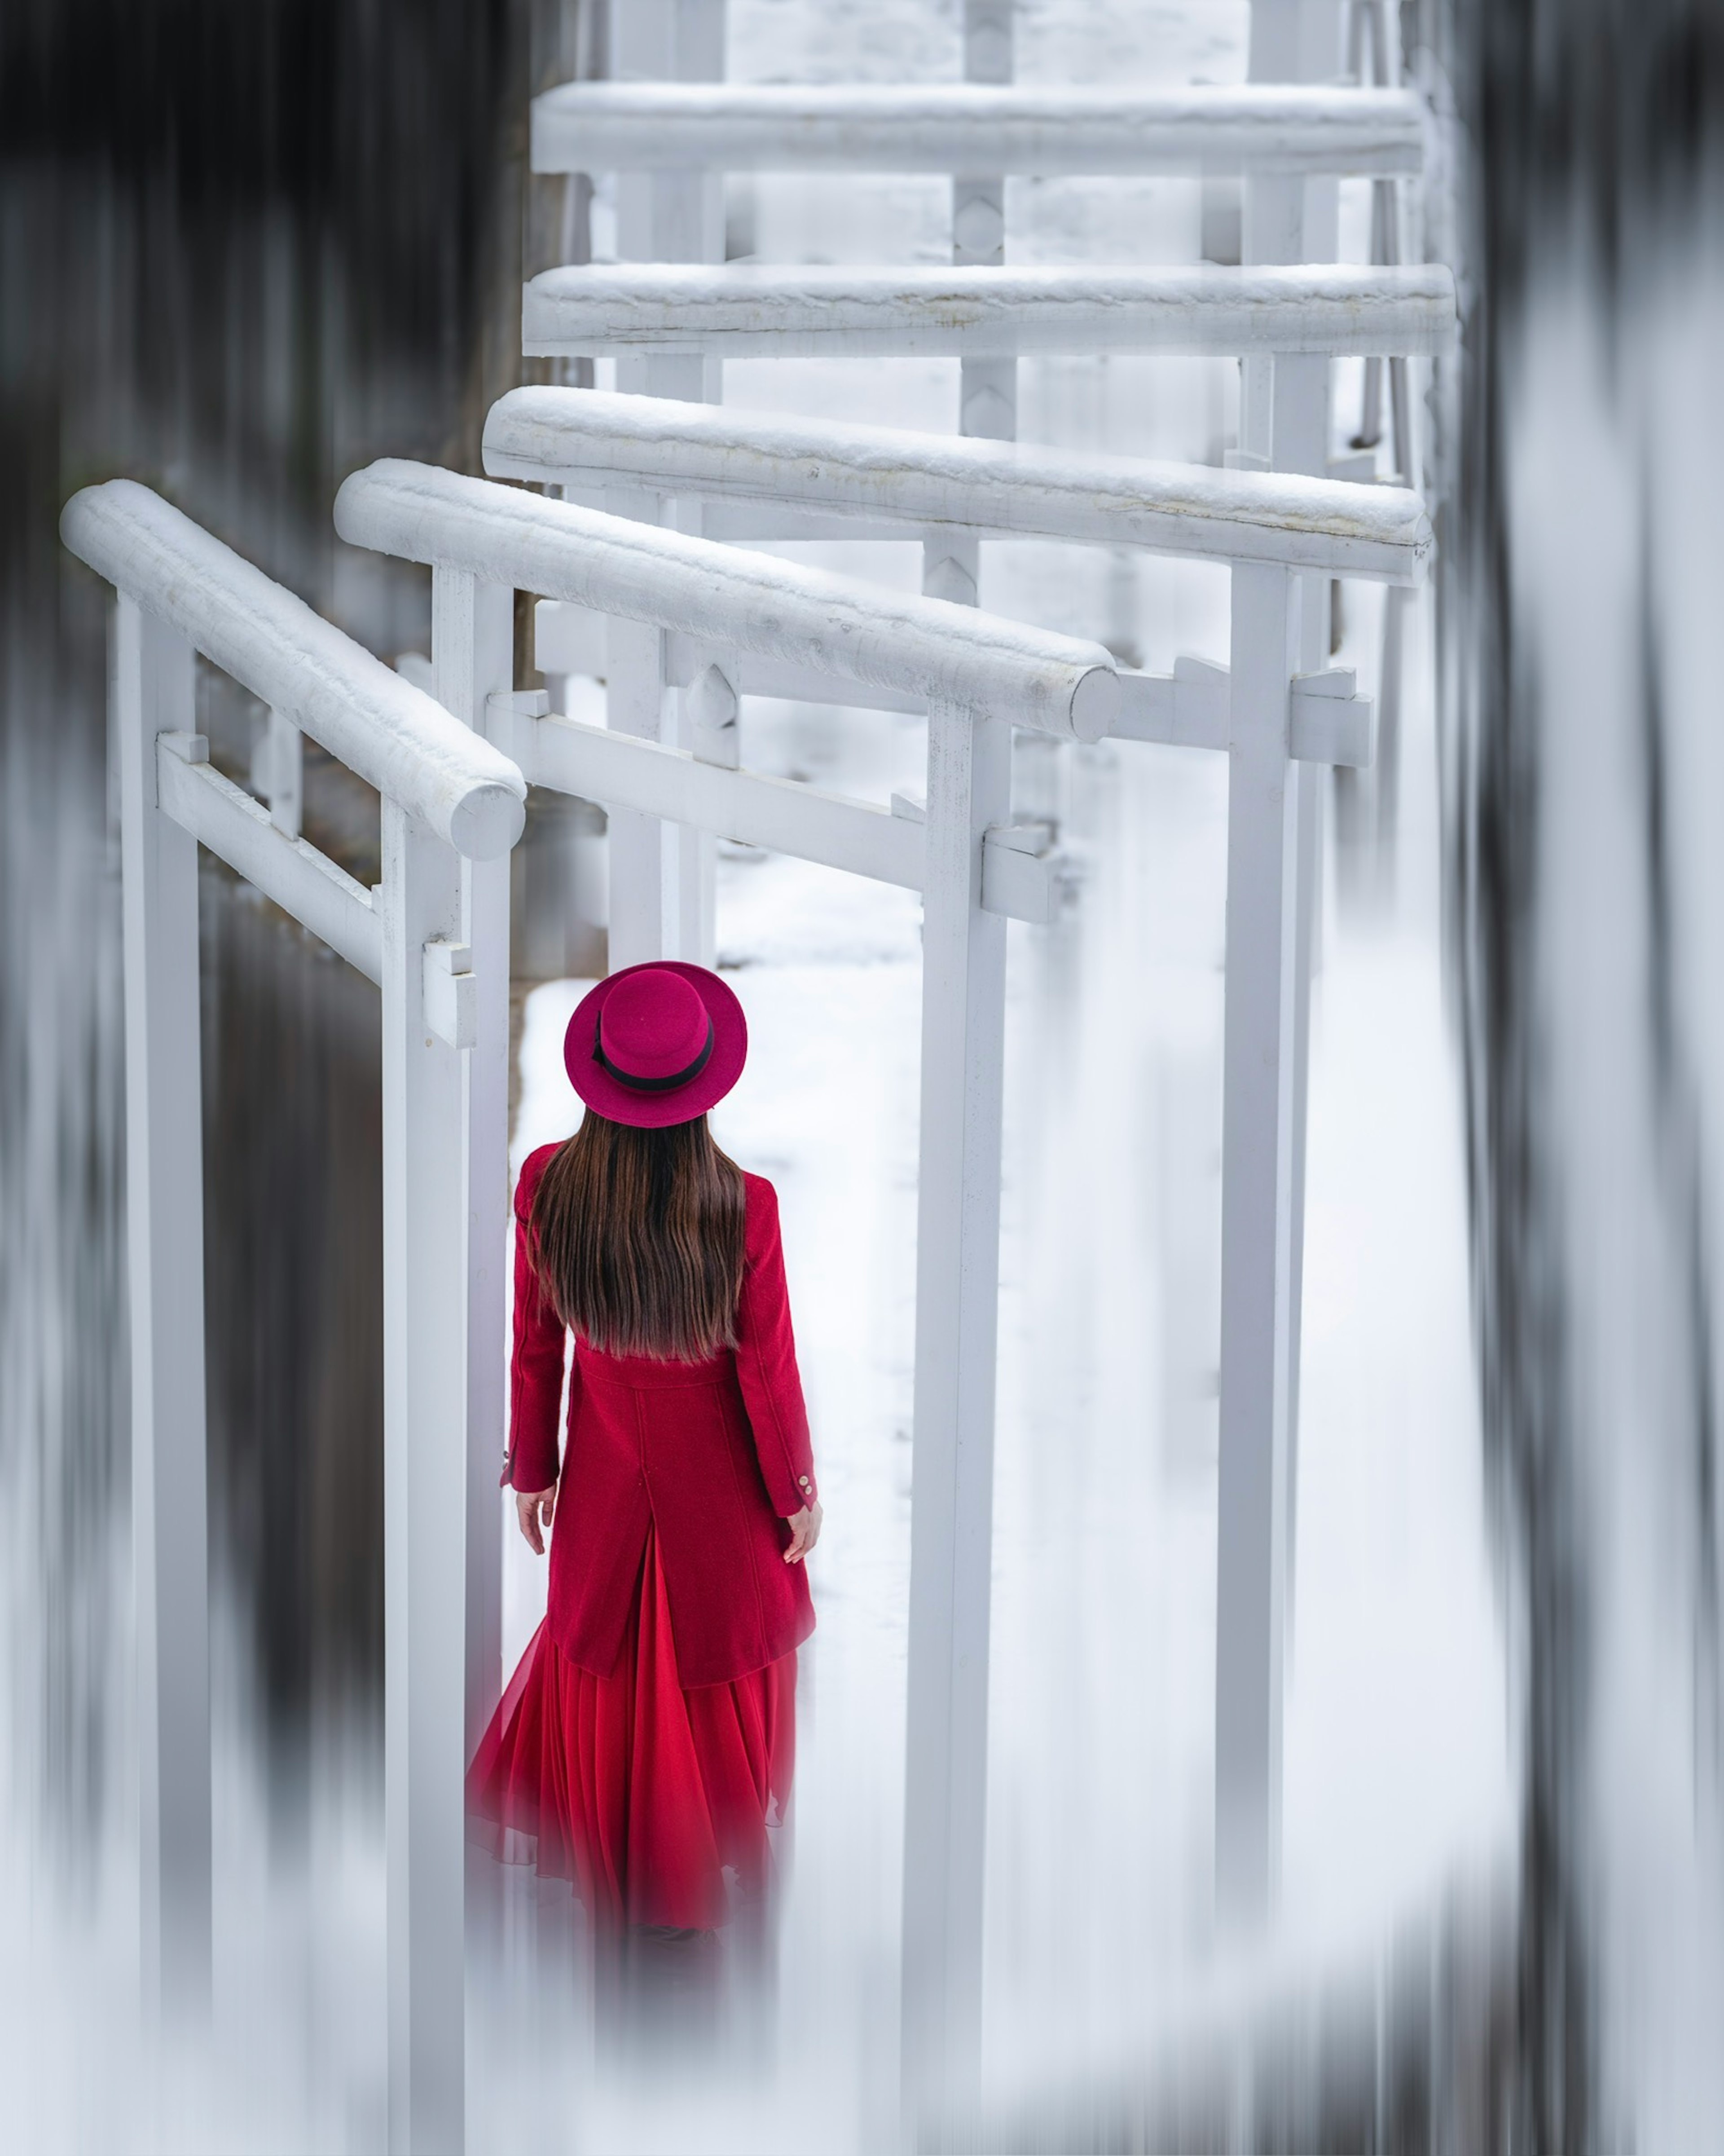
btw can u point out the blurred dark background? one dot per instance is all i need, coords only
(243, 249)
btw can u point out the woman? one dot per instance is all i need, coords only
(645, 1741)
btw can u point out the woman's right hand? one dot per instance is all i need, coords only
(804, 1532)
(534, 1508)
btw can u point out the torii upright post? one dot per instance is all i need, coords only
(473, 658)
(425, 1475)
(958, 1294)
(151, 691)
(969, 785)
(661, 876)
(1280, 627)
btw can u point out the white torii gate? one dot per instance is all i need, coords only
(451, 799)
(452, 806)
(977, 676)
(1294, 320)
(1290, 134)
(669, 128)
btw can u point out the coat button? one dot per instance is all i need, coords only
(803, 1480)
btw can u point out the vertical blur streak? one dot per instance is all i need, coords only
(241, 248)
(1585, 770)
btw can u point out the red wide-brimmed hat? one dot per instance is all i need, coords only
(656, 1044)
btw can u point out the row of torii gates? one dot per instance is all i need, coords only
(688, 621)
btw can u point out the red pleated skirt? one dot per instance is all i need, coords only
(642, 1794)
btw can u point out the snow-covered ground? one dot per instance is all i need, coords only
(1099, 1943)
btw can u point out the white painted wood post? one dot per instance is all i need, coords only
(669, 215)
(425, 1498)
(958, 1282)
(1300, 442)
(1258, 1099)
(692, 855)
(663, 217)
(1285, 424)
(473, 658)
(987, 395)
(709, 714)
(151, 686)
(278, 773)
(637, 845)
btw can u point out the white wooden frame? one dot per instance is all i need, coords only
(819, 311)
(1290, 133)
(975, 126)
(1290, 321)
(452, 807)
(976, 677)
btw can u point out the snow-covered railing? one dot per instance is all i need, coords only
(395, 737)
(973, 127)
(978, 677)
(756, 473)
(840, 625)
(826, 312)
(452, 806)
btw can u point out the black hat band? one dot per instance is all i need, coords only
(650, 1084)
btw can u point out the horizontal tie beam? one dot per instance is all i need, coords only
(623, 772)
(820, 311)
(1189, 708)
(239, 830)
(925, 483)
(781, 815)
(968, 128)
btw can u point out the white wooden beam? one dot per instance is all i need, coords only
(759, 474)
(1191, 707)
(988, 388)
(473, 658)
(973, 126)
(957, 1287)
(661, 878)
(1256, 1198)
(151, 692)
(425, 1497)
(302, 881)
(668, 210)
(822, 311)
(361, 711)
(637, 844)
(648, 779)
(1028, 677)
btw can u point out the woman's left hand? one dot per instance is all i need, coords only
(804, 1532)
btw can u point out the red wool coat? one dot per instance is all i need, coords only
(715, 1456)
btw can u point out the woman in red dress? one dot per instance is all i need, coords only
(645, 1742)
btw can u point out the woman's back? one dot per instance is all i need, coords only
(714, 1453)
(644, 1744)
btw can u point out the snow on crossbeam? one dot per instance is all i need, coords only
(951, 654)
(1193, 510)
(394, 736)
(969, 127)
(798, 311)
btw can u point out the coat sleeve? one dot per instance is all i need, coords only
(766, 1361)
(540, 1350)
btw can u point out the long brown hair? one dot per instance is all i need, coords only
(638, 1236)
